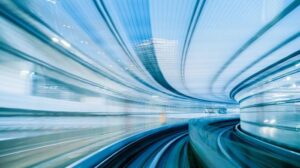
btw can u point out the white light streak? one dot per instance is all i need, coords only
(65, 43)
(273, 121)
(54, 39)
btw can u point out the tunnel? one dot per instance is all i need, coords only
(150, 83)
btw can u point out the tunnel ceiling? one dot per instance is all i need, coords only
(193, 50)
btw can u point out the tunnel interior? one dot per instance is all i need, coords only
(84, 75)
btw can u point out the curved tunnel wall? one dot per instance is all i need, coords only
(270, 103)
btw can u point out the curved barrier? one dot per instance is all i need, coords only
(269, 103)
(204, 134)
(219, 142)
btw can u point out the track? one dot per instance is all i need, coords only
(247, 151)
(213, 142)
(163, 147)
(166, 148)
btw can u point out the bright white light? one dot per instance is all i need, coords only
(52, 1)
(64, 43)
(24, 73)
(294, 85)
(273, 121)
(297, 65)
(266, 120)
(54, 39)
(288, 78)
(268, 131)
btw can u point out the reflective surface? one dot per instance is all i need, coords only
(270, 106)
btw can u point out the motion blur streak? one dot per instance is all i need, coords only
(149, 83)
